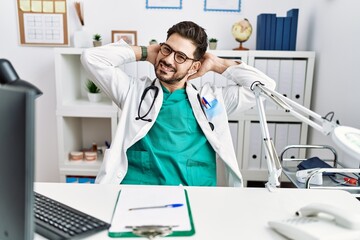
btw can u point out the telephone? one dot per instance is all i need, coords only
(319, 221)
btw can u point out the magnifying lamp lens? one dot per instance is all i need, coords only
(348, 139)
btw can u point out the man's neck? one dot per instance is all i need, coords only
(173, 87)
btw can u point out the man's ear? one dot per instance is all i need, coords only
(194, 68)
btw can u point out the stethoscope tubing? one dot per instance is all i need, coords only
(156, 89)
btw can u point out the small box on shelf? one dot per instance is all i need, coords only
(80, 179)
(76, 156)
(90, 156)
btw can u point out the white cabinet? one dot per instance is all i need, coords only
(80, 123)
(293, 73)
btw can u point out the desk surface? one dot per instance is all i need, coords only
(236, 213)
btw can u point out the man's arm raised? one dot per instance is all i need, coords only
(210, 62)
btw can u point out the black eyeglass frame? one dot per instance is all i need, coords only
(175, 53)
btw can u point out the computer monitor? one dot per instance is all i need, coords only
(17, 122)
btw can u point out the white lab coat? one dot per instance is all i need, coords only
(102, 65)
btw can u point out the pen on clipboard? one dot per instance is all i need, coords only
(174, 205)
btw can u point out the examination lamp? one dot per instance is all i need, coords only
(346, 138)
(9, 76)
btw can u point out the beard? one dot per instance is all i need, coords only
(162, 75)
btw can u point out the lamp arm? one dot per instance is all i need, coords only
(302, 113)
(272, 159)
(347, 138)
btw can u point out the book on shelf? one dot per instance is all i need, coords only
(294, 15)
(272, 31)
(279, 33)
(261, 32)
(286, 34)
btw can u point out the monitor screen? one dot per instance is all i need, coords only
(17, 110)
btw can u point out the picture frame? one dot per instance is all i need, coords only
(43, 23)
(222, 5)
(163, 4)
(130, 37)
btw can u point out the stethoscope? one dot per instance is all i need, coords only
(146, 90)
(156, 92)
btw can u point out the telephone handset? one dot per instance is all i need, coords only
(319, 221)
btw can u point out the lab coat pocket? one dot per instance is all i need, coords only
(200, 173)
(214, 110)
(212, 107)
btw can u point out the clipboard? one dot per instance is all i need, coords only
(149, 204)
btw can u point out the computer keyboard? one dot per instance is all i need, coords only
(55, 220)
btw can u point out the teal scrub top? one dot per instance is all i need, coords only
(175, 150)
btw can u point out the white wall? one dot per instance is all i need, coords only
(337, 80)
(329, 27)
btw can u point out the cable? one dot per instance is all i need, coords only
(348, 181)
(329, 114)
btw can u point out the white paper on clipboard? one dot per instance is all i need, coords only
(129, 198)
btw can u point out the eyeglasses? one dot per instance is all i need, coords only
(179, 57)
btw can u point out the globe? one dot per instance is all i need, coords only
(241, 31)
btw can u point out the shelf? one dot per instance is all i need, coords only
(282, 54)
(80, 123)
(79, 168)
(71, 80)
(84, 108)
(77, 172)
(82, 165)
(79, 133)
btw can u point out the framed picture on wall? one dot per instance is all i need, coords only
(130, 37)
(222, 5)
(164, 4)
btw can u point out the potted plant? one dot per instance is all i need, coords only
(212, 43)
(93, 91)
(97, 40)
(152, 41)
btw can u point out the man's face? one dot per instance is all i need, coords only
(167, 69)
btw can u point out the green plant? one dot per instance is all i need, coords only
(152, 41)
(213, 40)
(97, 37)
(91, 87)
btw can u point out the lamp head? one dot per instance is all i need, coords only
(348, 139)
(9, 76)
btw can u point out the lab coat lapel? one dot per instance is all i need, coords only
(141, 127)
(218, 138)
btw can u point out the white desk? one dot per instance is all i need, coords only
(218, 213)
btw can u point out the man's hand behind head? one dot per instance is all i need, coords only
(153, 51)
(211, 62)
(207, 64)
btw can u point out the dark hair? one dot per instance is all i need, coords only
(193, 32)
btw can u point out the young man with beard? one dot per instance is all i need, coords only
(170, 132)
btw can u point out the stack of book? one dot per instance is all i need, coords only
(277, 33)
